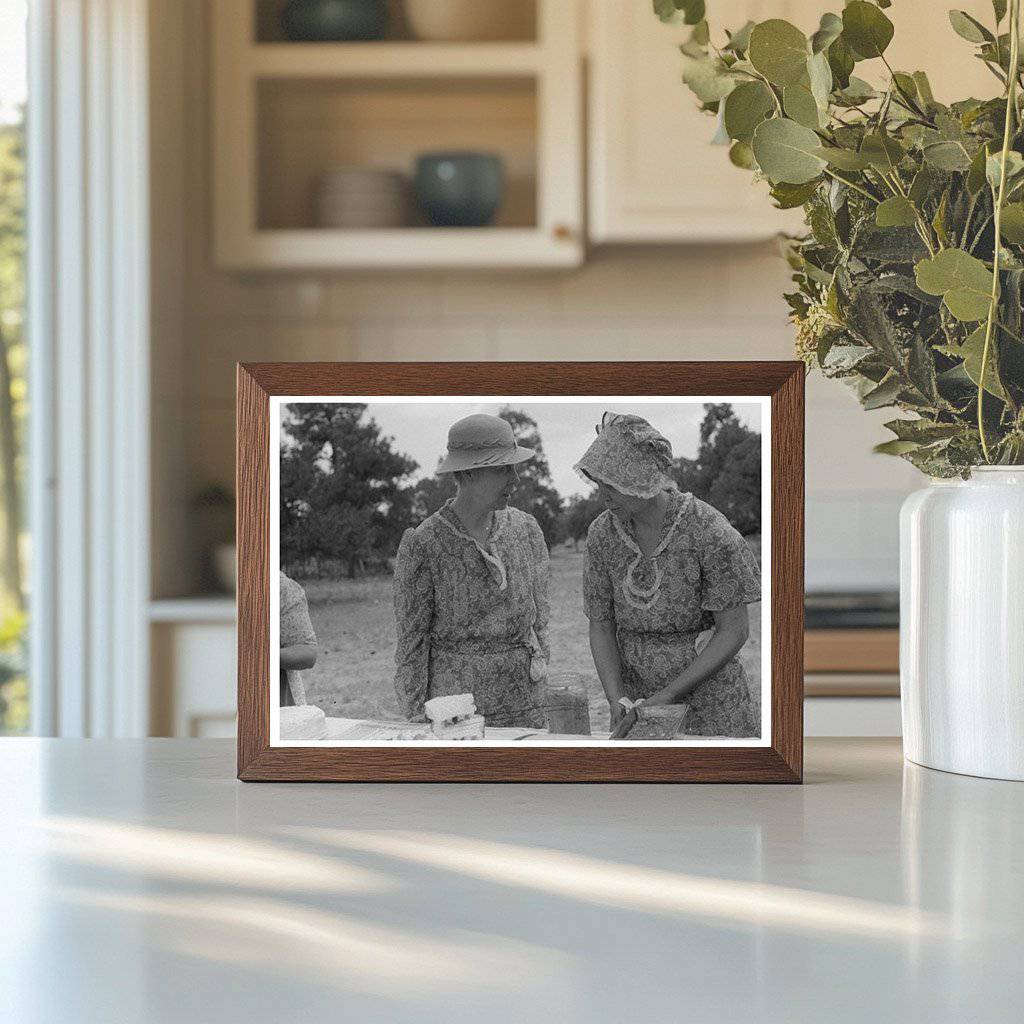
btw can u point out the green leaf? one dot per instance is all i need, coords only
(976, 173)
(829, 29)
(963, 281)
(924, 88)
(801, 106)
(969, 28)
(741, 155)
(779, 51)
(1011, 225)
(947, 156)
(895, 212)
(895, 447)
(690, 12)
(788, 196)
(939, 220)
(786, 151)
(922, 185)
(857, 91)
(844, 159)
(707, 78)
(885, 394)
(883, 152)
(866, 29)
(840, 61)
(701, 34)
(923, 431)
(739, 41)
(819, 75)
(993, 165)
(971, 352)
(745, 108)
(999, 9)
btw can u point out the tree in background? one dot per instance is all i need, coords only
(430, 494)
(727, 470)
(580, 512)
(13, 410)
(536, 493)
(12, 349)
(344, 489)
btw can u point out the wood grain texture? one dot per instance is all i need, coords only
(781, 762)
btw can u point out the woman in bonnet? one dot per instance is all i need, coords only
(471, 582)
(661, 567)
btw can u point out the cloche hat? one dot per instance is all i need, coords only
(479, 441)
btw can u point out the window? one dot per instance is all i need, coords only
(14, 692)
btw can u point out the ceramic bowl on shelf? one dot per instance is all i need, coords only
(460, 189)
(470, 20)
(362, 197)
(334, 21)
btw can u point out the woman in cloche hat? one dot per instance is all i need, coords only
(471, 582)
(661, 567)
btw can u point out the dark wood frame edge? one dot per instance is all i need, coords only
(781, 762)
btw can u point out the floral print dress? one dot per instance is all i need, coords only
(296, 628)
(660, 605)
(472, 618)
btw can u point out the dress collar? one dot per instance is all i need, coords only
(495, 565)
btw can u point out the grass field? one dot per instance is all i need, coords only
(355, 626)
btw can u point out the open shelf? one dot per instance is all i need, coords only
(519, 25)
(389, 60)
(308, 127)
(286, 114)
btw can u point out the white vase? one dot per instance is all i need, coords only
(962, 624)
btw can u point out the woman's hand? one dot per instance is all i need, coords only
(627, 719)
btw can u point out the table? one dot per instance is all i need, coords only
(140, 882)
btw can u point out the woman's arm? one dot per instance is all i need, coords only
(298, 656)
(732, 627)
(414, 612)
(605, 649)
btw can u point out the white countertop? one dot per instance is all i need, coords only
(140, 882)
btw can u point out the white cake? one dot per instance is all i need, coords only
(306, 722)
(454, 717)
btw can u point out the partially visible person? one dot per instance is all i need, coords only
(471, 588)
(298, 641)
(662, 566)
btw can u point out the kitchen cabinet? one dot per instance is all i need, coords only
(287, 114)
(653, 175)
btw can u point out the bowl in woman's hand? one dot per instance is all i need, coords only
(460, 189)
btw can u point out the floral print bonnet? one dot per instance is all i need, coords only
(629, 455)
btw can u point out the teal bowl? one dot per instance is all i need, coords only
(334, 21)
(460, 189)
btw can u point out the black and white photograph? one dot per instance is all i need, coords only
(520, 570)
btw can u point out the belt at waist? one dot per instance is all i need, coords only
(661, 634)
(479, 645)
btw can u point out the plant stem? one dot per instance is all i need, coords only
(853, 185)
(1011, 107)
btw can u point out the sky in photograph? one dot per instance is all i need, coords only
(420, 430)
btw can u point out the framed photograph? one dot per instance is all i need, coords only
(564, 572)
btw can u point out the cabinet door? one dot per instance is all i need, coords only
(654, 176)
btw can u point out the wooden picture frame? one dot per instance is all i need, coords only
(780, 759)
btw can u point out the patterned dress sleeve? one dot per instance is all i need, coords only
(598, 595)
(414, 613)
(296, 627)
(540, 565)
(730, 576)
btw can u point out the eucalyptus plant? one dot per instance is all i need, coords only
(902, 291)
